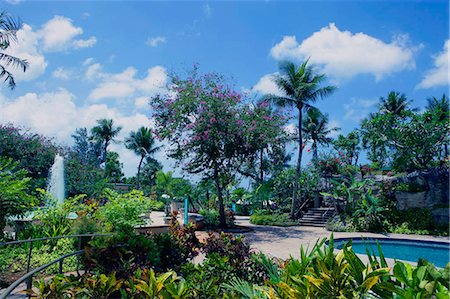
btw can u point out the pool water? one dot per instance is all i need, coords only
(437, 253)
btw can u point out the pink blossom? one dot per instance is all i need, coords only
(212, 120)
(205, 135)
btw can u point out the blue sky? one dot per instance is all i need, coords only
(90, 60)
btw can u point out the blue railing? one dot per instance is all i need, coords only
(28, 277)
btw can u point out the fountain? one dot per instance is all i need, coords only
(55, 185)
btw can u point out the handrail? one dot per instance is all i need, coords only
(304, 204)
(29, 275)
(52, 238)
(326, 211)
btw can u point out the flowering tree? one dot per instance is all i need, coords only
(267, 138)
(209, 129)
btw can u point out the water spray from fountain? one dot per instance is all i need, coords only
(56, 184)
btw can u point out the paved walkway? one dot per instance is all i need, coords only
(283, 242)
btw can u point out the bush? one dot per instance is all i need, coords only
(123, 211)
(409, 187)
(320, 273)
(210, 218)
(274, 219)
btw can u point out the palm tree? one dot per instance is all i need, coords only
(301, 87)
(395, 104)
(142, 143)
(315, 127)
(104, 133)
(439, 107)
(8, 35)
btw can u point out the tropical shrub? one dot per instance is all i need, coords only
(319, 273)
(273, 219)
(34, 153)
(329, 165)
(123, 211)
(210, 218)
(14, 198)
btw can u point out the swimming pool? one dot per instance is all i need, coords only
(437, 253)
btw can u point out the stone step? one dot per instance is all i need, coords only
(310, 223)
(321, 209)
(320, 212)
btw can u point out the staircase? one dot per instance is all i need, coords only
(317, 217)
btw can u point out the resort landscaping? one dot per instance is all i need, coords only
(241, 214)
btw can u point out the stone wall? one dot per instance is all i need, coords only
(435, 183)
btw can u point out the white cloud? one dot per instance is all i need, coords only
(291, 129)
(93, 70)
(207, 10)
(58, 33)
(333, 123)
(61, 73)
(55, 35)
(125, 84)
(141, 103)
(156, 41)
(26, 47)
(85, 43)
(266, 85)
(37, 112)
(358, 109)
(343, 54)
(13, 2)
(439, 74)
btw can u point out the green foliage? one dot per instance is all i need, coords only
(414, 221)
(409, 187)
(83, 176)
(274, 219)
(329, 165)
(210, 129)
(210, 218)
(13, 258)
(319, 273)
(34, 153)
(123, 211)
(361, 206)
(348, 147)
(407, 140)
(315, 127)
(113, 167)
(142, 143)
(227, 245)
(14, 199)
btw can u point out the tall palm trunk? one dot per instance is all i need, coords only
(297, 190)
(316, 166)
(315, 155)
(105, 156)
(139, 173)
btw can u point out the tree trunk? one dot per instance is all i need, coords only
(222, 220)
(139, 173)
(445, 150)
(297, 190)
(105, 156)
(315, 155)
(261, 170)
(316, 165)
